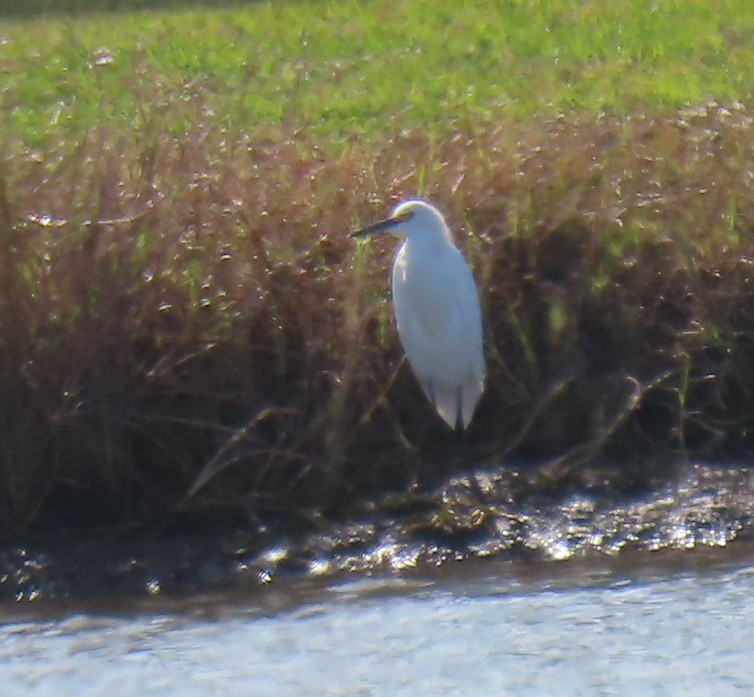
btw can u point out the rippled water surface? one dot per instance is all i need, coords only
(487, 631)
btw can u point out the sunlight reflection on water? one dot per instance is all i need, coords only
(684, 634)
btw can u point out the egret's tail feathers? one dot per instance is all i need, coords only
(455, 403)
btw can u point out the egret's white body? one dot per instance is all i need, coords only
(436, 310)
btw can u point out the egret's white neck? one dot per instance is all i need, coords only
(428, 238)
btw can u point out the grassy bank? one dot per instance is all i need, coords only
(341, 71)
(180, 299)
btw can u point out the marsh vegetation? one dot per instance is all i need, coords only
(180, 299)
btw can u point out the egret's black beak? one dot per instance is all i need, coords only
(382, 225)
(379, 226)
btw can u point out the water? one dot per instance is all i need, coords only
(491, 631)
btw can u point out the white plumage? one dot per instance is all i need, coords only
(437, 310)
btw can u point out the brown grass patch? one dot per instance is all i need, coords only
(194, 307)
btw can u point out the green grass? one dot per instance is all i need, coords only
(342, 70)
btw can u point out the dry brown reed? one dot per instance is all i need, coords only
(189, 312)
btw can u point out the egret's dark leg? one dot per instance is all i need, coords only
(468, 464)
(459, 410)
(431, 394)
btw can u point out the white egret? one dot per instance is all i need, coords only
(437, 310)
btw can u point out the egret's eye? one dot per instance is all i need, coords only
(403, 216)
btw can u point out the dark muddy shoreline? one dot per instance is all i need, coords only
(510, 516)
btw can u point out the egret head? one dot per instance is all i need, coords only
(410, 218)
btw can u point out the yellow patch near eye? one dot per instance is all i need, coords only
(403, 216)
